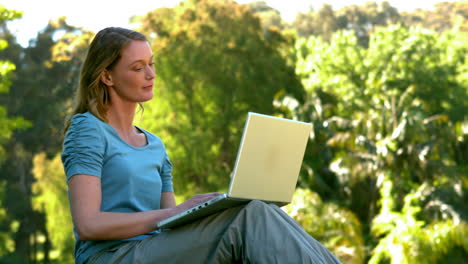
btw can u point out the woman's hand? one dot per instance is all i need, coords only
(196, 200)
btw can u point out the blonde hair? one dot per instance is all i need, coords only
(103, 54)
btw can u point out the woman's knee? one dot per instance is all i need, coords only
(256, 204)
(260, 206)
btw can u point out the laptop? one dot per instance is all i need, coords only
(267, 167)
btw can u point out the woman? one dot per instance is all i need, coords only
(120, 182)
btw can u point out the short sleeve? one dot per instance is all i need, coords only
(83, 147)
(166, 175)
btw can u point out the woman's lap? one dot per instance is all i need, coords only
(190, 241)
(253, 233)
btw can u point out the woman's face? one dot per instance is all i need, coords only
(131, 79)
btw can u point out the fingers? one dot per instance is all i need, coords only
(213, 194)
(200, 198)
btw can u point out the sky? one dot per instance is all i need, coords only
(97, 14)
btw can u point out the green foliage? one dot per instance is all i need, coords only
(6, 242)
(46, 78)
(6, 68)
(50, 195)
(360, 19)
(336, 228)
(383, 107)
(269, 16)
(214, 64)
(396, 109)
(40, 92)
(8, 14)
(7, 124)
(406, 239)
(445, 16)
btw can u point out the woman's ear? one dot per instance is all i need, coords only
(106, 78)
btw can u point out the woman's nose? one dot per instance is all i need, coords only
(150, 73)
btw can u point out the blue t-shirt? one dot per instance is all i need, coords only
(132, 178)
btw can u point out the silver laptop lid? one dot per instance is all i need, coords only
(269, 158)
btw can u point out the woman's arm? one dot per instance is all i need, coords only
(167, 200)
(92, 224)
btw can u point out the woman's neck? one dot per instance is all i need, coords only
(120, 117)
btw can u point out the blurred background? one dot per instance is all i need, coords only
(384, 84)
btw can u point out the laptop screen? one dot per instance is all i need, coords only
(269, 158)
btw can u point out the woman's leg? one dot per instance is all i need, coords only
(254, 233)
(263, 233)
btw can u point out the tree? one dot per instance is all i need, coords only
(363, 19)
(407, 239)
(45, 82)
(214, 64)
(360, 19)
(7, 123)
(322, 22)
(41, 91)
(446, 16)
(51, 197)
(269, 16)
(336, 228)
(395, 109)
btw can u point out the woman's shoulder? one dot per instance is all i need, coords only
(84, 123)
(85, 118)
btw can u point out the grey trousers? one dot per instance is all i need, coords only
(254, 233)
